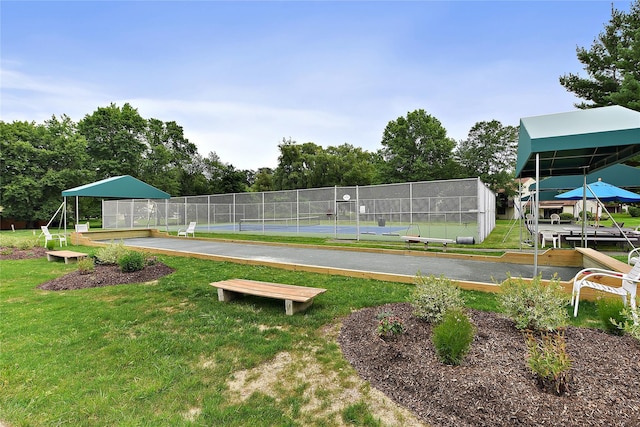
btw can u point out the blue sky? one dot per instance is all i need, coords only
(240, 76)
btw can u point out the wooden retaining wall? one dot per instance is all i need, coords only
(579, 257)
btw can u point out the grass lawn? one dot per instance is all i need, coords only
(168, 353)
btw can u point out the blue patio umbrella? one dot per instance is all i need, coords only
(603, 191)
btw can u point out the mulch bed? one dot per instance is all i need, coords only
(13, 253)
(103, 275)
(493, 386)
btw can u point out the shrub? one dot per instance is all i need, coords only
(109, 255)
(131, 261)
(532, 305)
(549, 361)
(631, 322)
(589, 216)
(566, 216)
(86, 266)
(433, 296)
(453, 336)
(610, 313)
(389, 324)
(30, 243)
(634, 211)
(51, 244)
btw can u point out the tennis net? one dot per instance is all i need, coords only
(277, 224)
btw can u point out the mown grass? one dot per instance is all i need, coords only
(163, 353)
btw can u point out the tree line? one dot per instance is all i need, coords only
(39, 161)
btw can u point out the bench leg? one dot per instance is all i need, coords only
(226, 296)
(291, 307)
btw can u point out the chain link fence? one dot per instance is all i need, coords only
(441, 209)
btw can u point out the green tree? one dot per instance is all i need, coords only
(115, 140)
(416, 148)
(223, 177)
(168, 153)
(490, 152)
(38, 162)
(263, 180)
(612, 64)
(308, 165)
(292, 170)
(350, 166)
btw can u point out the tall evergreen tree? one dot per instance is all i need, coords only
(612, 64)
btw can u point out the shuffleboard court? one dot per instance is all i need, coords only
(398, 264)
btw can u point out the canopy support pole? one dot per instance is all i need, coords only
(536, 214)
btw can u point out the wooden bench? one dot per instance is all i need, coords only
(296, 298)
(69, 256)
(426, 240)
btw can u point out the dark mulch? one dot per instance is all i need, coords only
(493, 386)
(13, 253)
(103, 275)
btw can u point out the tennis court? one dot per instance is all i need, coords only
(441, 209)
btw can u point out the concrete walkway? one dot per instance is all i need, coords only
(385, 263)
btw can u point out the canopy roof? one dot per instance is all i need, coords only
(578, 141)
(622, 176)
(124, 187)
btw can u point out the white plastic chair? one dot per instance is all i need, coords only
(48, 236)
(590, 278)
(82, 228)
(555, 218)
(633, 256)
(191, 229)
(549, 236)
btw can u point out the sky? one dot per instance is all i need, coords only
(239, 76)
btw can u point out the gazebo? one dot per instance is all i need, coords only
(575, 143)
(124, 186)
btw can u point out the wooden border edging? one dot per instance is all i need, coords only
(578, 257)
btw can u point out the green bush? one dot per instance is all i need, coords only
(549, 361)
(433, 296)
(109, 255)
(453, 336)
(532, 305)
(131, 261)
(631, 323)
(610, 313)
(566, 216)
(589, 216)
(51, 244)
(86, 266)
(634, 211)
(389, 325)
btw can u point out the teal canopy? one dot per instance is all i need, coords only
(577, 142)
(122, 187)
(622, 176)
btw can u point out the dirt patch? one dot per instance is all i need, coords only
(493, 386)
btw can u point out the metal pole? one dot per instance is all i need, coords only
(537, 212)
